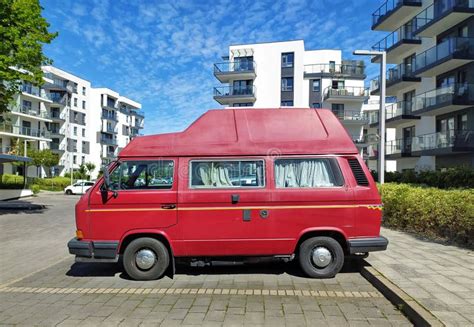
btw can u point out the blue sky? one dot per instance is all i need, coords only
(161, 53)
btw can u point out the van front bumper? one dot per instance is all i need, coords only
(370, 244)
(89, 251)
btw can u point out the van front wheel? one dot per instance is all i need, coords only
(321, 257)
(145, 259)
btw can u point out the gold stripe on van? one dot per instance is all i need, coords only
(337, 206)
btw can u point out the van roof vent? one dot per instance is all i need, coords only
(358, 172)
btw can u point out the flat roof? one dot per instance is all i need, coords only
(11, 158)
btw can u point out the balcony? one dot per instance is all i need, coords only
(398, 78)
(352, 71)
(350, 117)
(452, 53)
(24, 132)
(55, 115)
(444, 99)
(399, 112)
(234, 70)
(33, 92)
(57, 147)
(61, 99)
(227, 95)
(57, 132)
(393, 12)
(109, 141)
(109, 130)
(34, 114)
(346, 94)
(398, 44)
(400, 148)
(372, 118)
(110, 117)
(441, 16)
(444, 143)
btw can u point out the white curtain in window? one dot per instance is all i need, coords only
(214, 174)
(303, 173)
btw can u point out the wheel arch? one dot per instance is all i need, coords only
(336, 234)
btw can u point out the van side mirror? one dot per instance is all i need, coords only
(107, 187)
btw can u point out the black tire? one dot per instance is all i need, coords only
(68, 192)
(306, 260)
(161, 263)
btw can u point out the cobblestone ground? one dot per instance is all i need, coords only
(67, 293)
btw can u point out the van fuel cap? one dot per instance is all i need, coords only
(264, 213)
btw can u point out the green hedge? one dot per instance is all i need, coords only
(456, 177)
(9, 181)
(431, 212)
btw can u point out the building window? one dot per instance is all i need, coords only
(74, 159)
(75, 131)
(83, 105)
(338, 84)
(287, 84)
(83, 160)
(244, 104)
(316, 85)
(83, 90)
(75, 102)
(316, 105)
(463, 122)
(83, 132)
(227, 174)
(338, 110)
(287, 59)
(287, 103)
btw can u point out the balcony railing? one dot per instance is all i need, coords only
(20, 130)
(333, 69)
(57, 115)
(31, 112)
(461, 46)
(347, 91)
(438, 9)
(404, 33)
(56, 146)
(394, 75)
(234, 66)
(400, 146)
(58, 98)
(109, 117)
(229, 91)
(354, 115)
(386, 8)
(108, 141)
(401, 108)
(452, 94)
(458, 139)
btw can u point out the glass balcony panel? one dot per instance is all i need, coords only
(450, 46)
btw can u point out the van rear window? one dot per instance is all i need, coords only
(307, 173)
(227, 174)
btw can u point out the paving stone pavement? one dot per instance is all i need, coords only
(440, 277)
(273, 294)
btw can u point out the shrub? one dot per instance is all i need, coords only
(435, 213)
(456, 177)
(35, 188)
(10, 181)
(52, 184)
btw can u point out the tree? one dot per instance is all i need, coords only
(23, 32)
(43, 158)
(90, 169)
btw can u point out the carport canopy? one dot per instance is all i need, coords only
(11, 158)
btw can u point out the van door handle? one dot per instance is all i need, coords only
(234, 198)
(168, 206)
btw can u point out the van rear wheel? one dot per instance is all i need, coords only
(321, 257)
(145, 259)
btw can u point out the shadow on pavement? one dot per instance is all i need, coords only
(20, 206)
(80, 269)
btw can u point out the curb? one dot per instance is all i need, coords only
(416, 313)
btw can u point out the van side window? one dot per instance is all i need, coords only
(227, 174)
(307, 173)
(139, 175)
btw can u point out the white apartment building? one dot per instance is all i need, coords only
(284, 74)
(78, 122)
(430, 48)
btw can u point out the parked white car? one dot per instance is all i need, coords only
(80, 187)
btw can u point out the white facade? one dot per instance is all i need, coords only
(430, 52)
(284, 74)
(69, 117)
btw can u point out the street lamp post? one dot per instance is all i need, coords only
(382, 81)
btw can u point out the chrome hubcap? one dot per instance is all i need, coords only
(145, 259)
(321, 257)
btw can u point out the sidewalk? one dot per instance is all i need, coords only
(439, 277)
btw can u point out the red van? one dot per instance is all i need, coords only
(285, 183)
